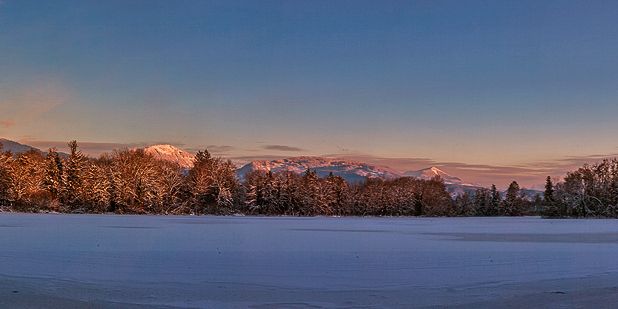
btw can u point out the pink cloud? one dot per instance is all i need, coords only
(7, 123)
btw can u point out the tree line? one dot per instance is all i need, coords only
(590, 191)
(134, 182)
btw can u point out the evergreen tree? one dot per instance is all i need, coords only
(212, 184)
(483, 202)
(53, 176)
(513, 201)
(549, 190)
(496, 200)
(6, 177)
(73, 170)
(465, 206)
(336, 190)
(550, 207)
(28, 177)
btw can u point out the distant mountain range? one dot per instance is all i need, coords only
(352, 171)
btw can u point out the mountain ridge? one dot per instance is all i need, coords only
(351, 170)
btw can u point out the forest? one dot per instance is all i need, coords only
(133, 182)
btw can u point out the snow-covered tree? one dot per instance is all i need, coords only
(513, 202)
(72, 178)
(496, 200)
(211, 184)
(134, 182)
(53, 177)
(28, 178)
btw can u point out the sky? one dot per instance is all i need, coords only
(487, 90)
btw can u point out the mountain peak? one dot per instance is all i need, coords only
(171, 153)
(431, 172)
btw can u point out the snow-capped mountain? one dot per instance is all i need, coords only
(454, 185)
(352, 171)
(15, 147)
(171, 153)
(432, 172)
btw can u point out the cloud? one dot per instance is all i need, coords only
(24, 105)
(220, 149)
(7, 123)
(258, 157)
(282, 148)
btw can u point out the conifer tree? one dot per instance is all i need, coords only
(28, 177)
(73, 170)
(496, 200)
(549, 190)
(212, 184)
(6, 177)
(53, 174)
(512, 200)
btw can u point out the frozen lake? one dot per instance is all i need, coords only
(74, 261)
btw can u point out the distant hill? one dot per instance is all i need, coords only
(15, 147)
(352, 171)
(171, 153)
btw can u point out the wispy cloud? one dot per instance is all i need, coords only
(26, 104)
(7, 123)
(282, 148)
(220, 149)
(258, 157)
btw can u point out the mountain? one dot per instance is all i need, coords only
(454, 185)
(352, 171)
(432, 172)
(15, 147)
(171, 153)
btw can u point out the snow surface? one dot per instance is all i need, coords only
(71, 261)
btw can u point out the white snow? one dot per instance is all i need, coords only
(171, 153)
(236, 262)
(431, 172)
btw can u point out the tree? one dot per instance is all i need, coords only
(212, 184)
(133, 187)
(53, 177)
(314, 199)
(260, 192)
(483, 202)
(27, 187)
(496, 200)
(512, 201)
(73, 172)
(549, 190)
(464, 205)
(337, 194)
(550, 206)
(6, 178)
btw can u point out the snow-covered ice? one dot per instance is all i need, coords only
(72, 261)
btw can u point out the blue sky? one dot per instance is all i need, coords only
(501, 83)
